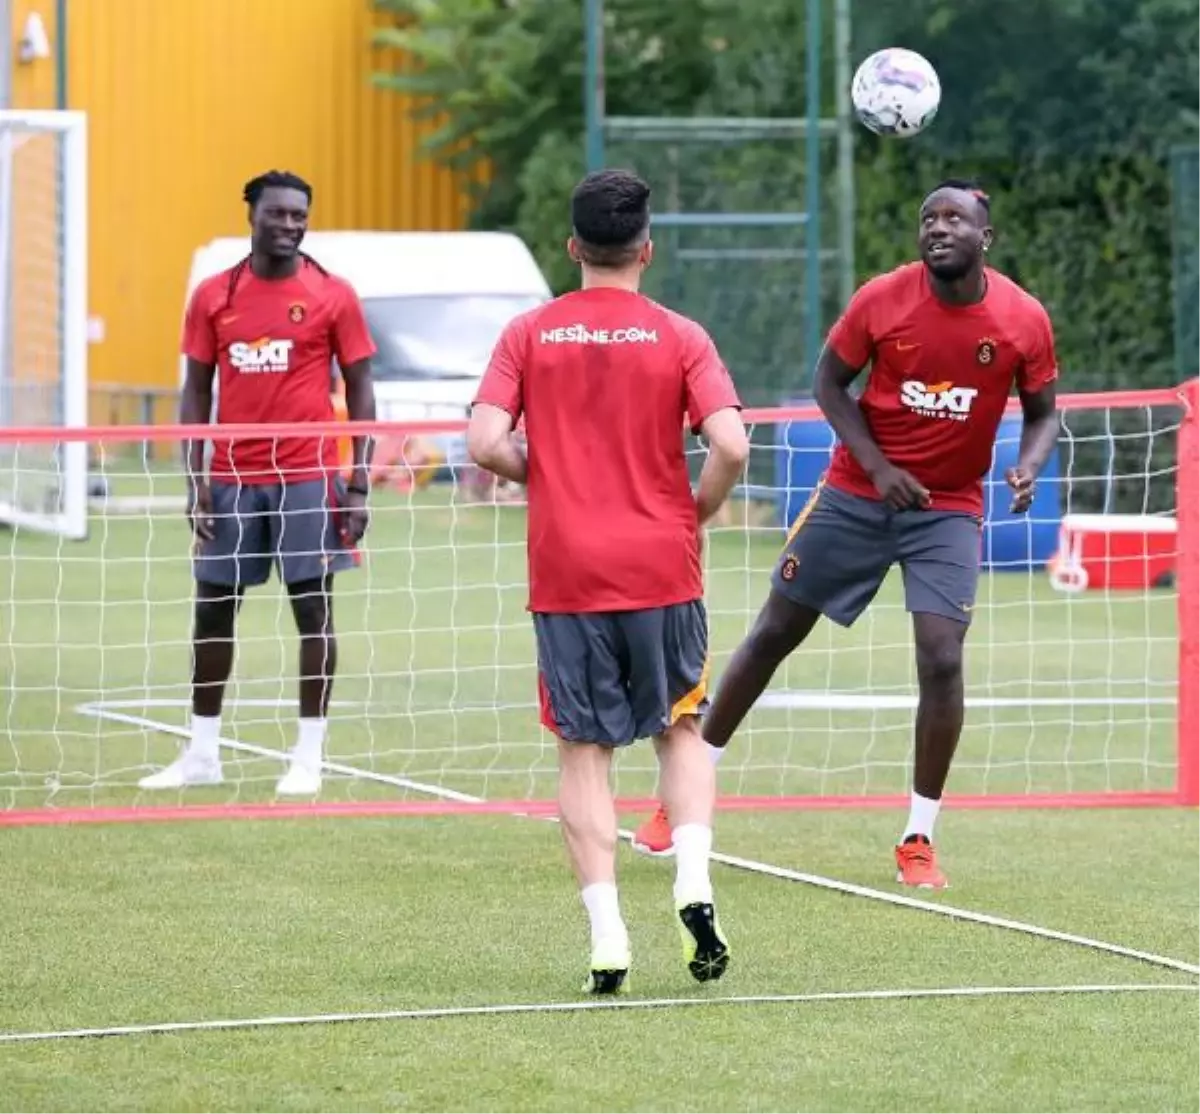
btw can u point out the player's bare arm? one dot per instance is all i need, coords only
(728, 451)
(195, 407)
(1039, 435)
(492, 446)
(831, 388)
(360, 407)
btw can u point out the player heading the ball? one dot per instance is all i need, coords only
(271, 327)
(604, 379)
(947, 338)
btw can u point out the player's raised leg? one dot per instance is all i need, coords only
(780, 627)
(805, 585)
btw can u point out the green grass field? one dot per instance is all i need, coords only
(124, 924)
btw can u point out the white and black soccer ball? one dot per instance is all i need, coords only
(896, 92)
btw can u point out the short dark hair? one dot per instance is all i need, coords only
(274, 179)
(967, 185)
(610, 216)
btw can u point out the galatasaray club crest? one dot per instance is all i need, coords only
(296, 312)
(986, 352)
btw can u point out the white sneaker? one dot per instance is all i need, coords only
(301, 780)
(187, 769)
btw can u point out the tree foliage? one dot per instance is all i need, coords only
(1066, 110)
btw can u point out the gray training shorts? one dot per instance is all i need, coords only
(294, 526)
(616, 676)
(842, 546)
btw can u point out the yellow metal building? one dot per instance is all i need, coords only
(186, 99)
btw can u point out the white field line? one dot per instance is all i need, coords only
(592, 1005)
(101, 710)
(752, 865)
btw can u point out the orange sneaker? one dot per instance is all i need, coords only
(654, 836)
(916, 864)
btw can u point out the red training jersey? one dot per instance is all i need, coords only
(940, 378)
(604, 379)
(273, 343)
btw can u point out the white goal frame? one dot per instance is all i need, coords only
(69, 518)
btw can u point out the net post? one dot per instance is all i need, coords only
(74, 316)
(1188, 581)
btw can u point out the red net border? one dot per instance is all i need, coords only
(1187, 788)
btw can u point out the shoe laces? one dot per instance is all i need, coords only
(920, 852)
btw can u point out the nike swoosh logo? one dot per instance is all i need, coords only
(902, 347)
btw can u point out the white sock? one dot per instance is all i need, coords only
(715, 753)
(921, 817)
(693, 843)
(310, 742)
(604, 910)
(206, 731)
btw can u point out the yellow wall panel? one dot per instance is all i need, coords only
(186, 99)
(35, 333)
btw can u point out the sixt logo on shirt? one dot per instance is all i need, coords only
(265, 355)
(938, 400)
(581, 334)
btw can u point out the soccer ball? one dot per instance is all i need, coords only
(896, 92)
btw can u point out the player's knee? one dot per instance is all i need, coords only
(771, 639)
(214, 618)
(310, 607)
(939, 661)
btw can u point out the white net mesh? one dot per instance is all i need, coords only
(42, 263)
(1068, 691)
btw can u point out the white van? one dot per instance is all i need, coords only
(435, 303)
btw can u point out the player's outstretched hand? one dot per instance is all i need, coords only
(900, 490)
(1023, 484)
(357, 517)
(200, 510)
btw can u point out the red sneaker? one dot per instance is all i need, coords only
(916, 864)
(654, 836)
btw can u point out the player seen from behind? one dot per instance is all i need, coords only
(270, 328)
(947, 338)
(604, 378)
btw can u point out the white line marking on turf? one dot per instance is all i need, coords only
(592, 1005)
(951, 911)
(103, 711)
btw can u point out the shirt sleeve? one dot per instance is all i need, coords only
(504, 380)
(852, 338)
(351, 338)
(707, 382)
(1040, 366)
(199, 341)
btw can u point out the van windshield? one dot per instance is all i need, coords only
(444, 336)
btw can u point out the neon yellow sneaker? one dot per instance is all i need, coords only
(610, 967)
(705, 949)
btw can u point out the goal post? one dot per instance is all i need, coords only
(1081, 689)
(43, 316)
